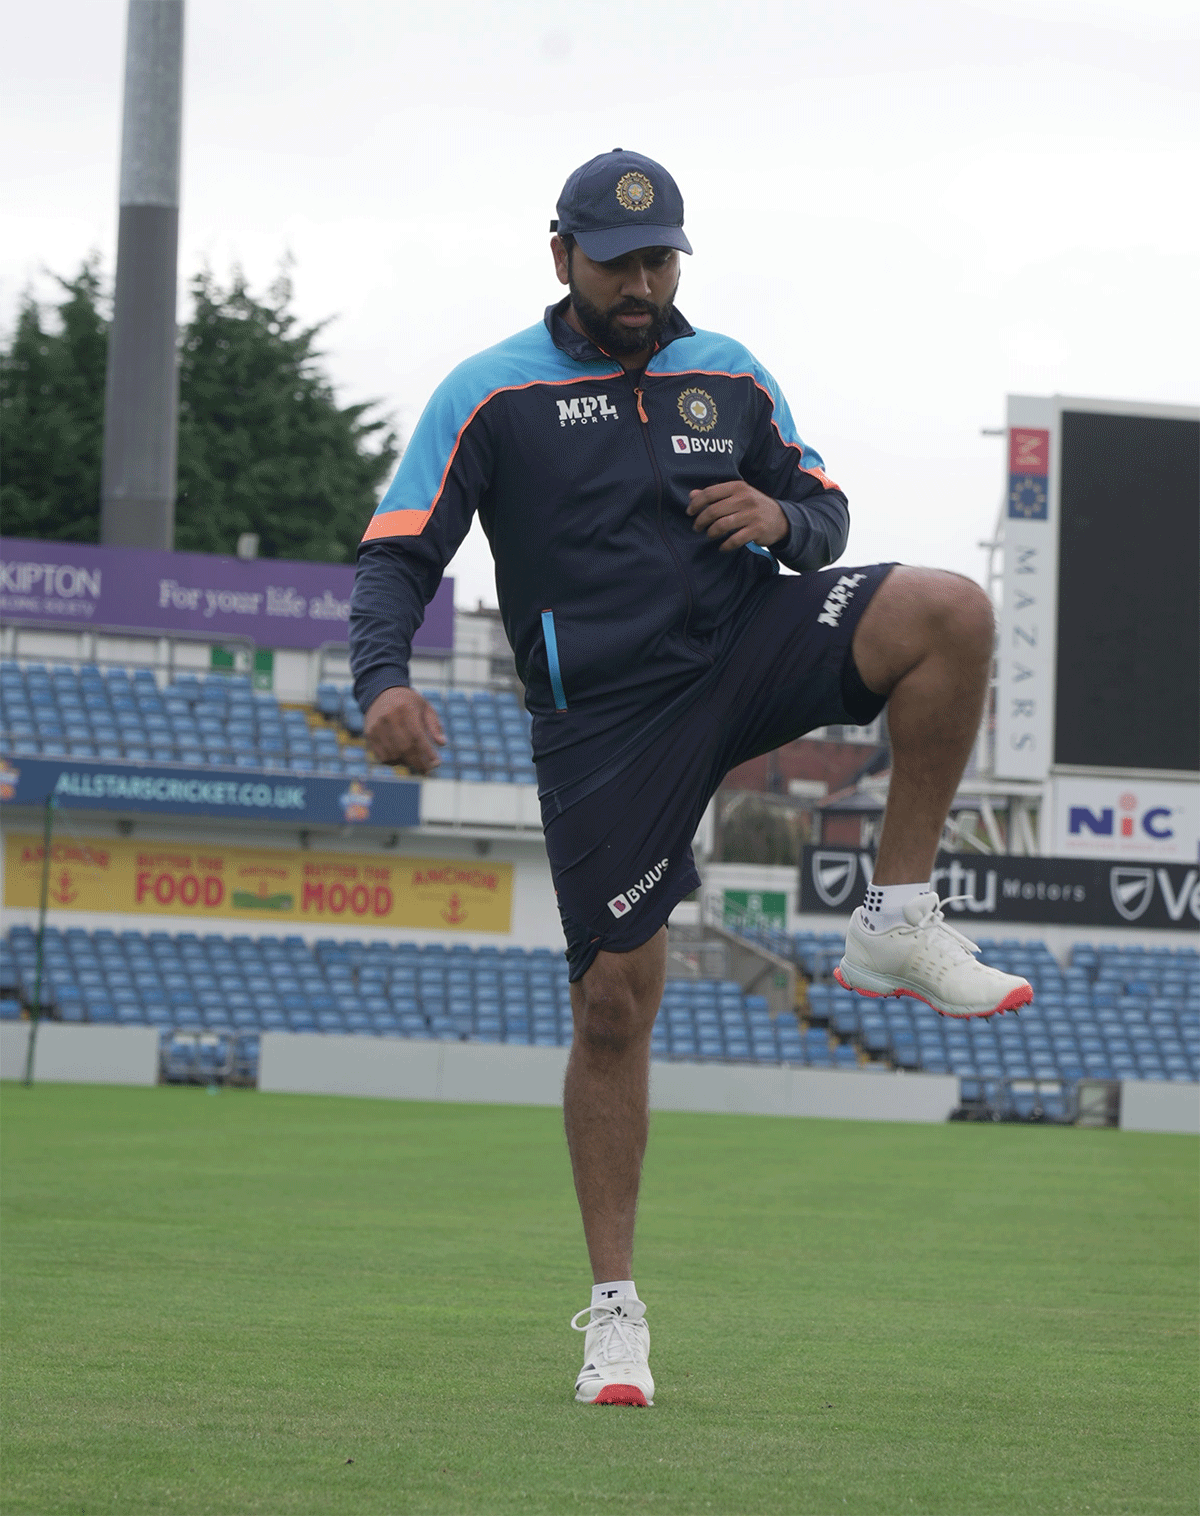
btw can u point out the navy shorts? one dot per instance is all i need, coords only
(620, 850)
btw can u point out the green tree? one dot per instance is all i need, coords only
(263, 445)
(52, 415)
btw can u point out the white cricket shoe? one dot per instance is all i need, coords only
(616, 1351)
(930, 961)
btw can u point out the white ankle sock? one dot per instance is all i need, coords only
(884, 906)
(614, 1289)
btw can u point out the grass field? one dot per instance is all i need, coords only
(266, 1303)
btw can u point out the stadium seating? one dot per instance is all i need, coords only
(192, 985)
(1113, 1013)
(221, 720)
(487, 733)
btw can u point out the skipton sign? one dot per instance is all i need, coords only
(1037, 891)
(272, 602)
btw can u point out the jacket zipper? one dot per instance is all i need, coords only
(658, 485)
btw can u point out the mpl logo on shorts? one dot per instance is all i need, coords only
(621, 905)
(702, 444)
(585, 408)
(838, 598)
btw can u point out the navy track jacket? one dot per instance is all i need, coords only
(614, 606)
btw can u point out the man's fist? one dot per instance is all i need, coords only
(739, 513)
(402, 727)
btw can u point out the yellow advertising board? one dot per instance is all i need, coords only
(261, 884)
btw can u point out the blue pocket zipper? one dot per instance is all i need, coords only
(556, 684)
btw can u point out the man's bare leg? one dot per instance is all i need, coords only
(606, 1096)
(925, 641)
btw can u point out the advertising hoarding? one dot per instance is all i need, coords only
(1026, 631)
(1119, 818)
(272, 602)
(289, 888)
(999, 888)
(238, 794)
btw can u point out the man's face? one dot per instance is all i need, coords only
(622, 305)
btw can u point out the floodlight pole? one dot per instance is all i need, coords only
(141, 408)
(36, 1008)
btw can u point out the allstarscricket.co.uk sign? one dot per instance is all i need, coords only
(237, 794)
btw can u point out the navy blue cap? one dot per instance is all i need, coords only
(621, 201)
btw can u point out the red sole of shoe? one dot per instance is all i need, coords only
(1013, 1001)
(620, 1394)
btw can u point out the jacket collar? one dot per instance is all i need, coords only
(584, 350)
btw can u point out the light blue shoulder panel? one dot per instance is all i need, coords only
(527, 358)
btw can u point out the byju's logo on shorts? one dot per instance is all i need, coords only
(702, 444)
(585, 408)
(621, 905)
(838, 598)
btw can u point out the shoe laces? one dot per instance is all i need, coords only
(618, 1340)
(935, 917)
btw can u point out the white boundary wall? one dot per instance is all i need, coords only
(393, 1068)
(1151, 1106)
(399, 1069)
(80, 1054)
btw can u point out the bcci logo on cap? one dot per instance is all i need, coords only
(698, 409)
(635, 192)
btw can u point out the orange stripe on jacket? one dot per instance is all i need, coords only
(412, 523)
(397, 524)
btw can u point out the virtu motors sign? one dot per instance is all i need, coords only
(980, 891)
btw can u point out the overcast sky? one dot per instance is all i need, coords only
(906, 210)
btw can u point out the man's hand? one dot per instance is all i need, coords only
(739, 513)
(402, 727)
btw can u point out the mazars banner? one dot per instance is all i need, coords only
(978, 891)
(260, 884)
(1126, 818)
(1026, 635)
(272, 602)
(240, 794)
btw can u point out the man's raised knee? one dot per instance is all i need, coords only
(966, 615)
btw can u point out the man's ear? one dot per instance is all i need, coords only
(562, 263)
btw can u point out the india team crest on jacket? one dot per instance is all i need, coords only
(698, 409)
(635, 192)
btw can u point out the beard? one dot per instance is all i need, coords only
(606, 332)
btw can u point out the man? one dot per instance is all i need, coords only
(640, 483)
